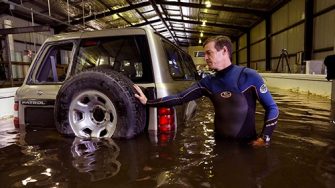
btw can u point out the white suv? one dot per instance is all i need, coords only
(82, 84)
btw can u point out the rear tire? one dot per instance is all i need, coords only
(99, 103)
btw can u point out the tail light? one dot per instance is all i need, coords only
(16, 113)
(166, 121)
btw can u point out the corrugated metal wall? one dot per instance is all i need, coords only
(257, 47)
(288, 32)
(25, 41)
(242, 50)
(324, 29)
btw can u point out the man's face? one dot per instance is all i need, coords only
(213, 58)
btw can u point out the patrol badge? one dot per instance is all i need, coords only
(263, 89)
(226, 94)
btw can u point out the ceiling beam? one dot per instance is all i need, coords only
(29, 11)
(185, 31)
(168, 16)
(42, 6)
(198, 32)
(256, 12)
(146, 23)
(110, 12)
(222, 25)
(154, 5)
(191, 43)
(139, 13)
(278, 5)
(188, 38)
(106, 6)
(18, 30)
(182, 16)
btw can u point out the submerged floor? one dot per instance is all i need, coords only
(302, 154)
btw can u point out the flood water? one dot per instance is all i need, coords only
(302, 154)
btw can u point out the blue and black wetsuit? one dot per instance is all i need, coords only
(233, 92)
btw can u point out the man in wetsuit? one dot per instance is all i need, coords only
(233, 90)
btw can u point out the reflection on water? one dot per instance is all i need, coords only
(302, 154)
(8, 135)
(96, 157)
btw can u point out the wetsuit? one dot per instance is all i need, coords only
(233, 92)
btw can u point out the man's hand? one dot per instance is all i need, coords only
(140, 96)
(259, 142)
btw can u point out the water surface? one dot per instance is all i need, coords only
(302, 154)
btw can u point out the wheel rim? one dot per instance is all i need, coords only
(92, 114)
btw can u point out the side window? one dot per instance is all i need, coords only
(125, 54)
(190, 70)
(174, 61)
(55, 63)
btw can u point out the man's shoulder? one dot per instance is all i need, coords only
(250, 76)
(249, 73)
(207, 79)
(247, 70)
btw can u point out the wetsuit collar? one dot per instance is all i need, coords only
(225, 70)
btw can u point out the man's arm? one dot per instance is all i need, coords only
(271, 109)
(192, 93)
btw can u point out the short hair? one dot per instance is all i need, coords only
(220, 42)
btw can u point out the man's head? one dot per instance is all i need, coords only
(218, 52)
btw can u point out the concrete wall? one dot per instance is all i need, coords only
(303, 83)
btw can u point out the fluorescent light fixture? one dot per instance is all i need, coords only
(115, 17)
(208, 4)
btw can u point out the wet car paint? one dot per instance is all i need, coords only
(302, 154)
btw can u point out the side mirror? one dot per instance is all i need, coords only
(330, 64)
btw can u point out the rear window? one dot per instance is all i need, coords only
(126, 54)
(55, 63)
(181, 66)
(174, 60)
(189, 67)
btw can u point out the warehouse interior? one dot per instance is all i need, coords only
(286, 41)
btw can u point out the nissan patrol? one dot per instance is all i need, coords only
(82, 84)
